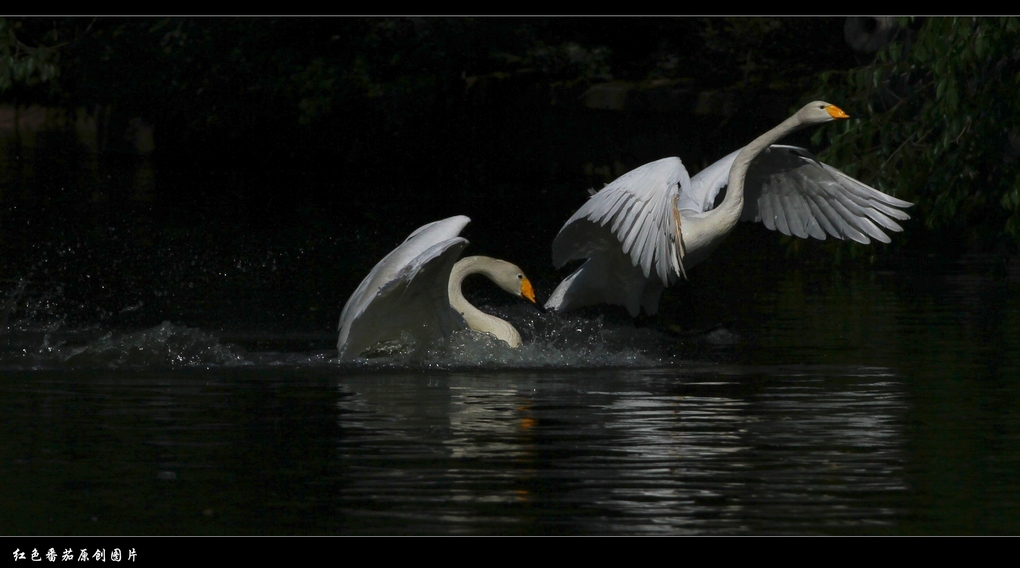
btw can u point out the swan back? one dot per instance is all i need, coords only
(388, 269)
(406, 292)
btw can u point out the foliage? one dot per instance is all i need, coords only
(23, 64)
(938, 120)
(750, 53)
(317, 63)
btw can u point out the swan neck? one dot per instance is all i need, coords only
(477, 319)
(733, 203)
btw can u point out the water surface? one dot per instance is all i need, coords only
(861, 402)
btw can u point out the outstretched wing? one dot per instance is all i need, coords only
(629, 233)
(790, 191)
(406, 291)
(632, 216)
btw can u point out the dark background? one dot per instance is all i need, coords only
(286, 156)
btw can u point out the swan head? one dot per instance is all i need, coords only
(820, 111)
(510, 278)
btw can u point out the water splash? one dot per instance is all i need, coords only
(551, 341)
(166, 346)
(36, 333)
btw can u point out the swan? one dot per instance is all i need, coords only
(646, 229)
(416, 289)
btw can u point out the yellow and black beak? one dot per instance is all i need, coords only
(836, 112)
(527, 291)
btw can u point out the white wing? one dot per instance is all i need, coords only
(406, 291)
(627, 229)
(633, 215)
(705, 187)
(790, 191)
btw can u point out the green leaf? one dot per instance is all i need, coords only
(895, 51)
(952, 98)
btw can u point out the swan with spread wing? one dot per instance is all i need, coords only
(642, 232)
(416, 289)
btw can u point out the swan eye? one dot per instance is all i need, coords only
(520, 277)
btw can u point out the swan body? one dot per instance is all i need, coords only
(643, 231)
(416, 289)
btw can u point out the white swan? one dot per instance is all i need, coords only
(416, 289)
(644, 230)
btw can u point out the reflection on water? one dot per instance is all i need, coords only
(696, 450)
(872, 404)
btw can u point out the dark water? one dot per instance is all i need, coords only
(860, 402)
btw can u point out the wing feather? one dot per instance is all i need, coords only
(635, 212)
(789, 190)
(406, 290)
(629, 232)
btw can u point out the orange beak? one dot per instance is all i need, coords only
(836, 112)
(527, 291)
